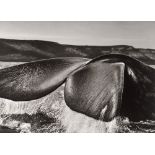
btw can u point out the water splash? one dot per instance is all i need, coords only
(76, 122)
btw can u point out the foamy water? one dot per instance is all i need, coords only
(63, 118)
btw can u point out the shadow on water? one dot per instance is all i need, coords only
(4, 129)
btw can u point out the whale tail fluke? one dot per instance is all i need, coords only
(34, 80)
(106, 87)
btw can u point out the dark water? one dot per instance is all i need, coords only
(4, 129)
(139, 127)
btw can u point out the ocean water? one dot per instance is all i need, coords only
(50, 114)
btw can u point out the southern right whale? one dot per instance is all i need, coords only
(102, 88)
(117, 84)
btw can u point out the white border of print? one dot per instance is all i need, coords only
(77, 144)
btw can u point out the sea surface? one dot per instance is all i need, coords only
(50, 114)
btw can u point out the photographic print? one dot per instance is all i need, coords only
(71, 77)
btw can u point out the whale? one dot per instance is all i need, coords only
(102, 88)
(116, 84)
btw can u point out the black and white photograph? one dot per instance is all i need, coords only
(77, 76)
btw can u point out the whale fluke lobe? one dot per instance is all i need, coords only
(95, 87)
(36, 79)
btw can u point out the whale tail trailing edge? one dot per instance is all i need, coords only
(36, 79)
